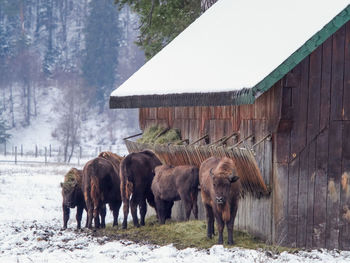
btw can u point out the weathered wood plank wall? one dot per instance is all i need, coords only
(311, 162)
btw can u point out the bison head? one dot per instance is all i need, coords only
(69, 195)
(222, 185)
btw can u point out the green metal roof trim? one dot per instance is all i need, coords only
(315, 41)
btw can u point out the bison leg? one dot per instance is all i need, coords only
(194, 196)
(133, 207)
(168, 209)
(115, 208)
(96, 213)
(143, 211)
(79, 215)
(210, 220)
(87, 219)
(66, 212)
(125, 212)
(220, 224)
(90, 209)
(188, 207)
(230, 225)
(103, 216)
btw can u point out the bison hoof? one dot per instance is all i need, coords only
(124, 226)
(230, 242)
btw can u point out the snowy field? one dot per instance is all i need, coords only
(31, 221)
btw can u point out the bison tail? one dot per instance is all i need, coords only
(126, 187)
(95, 191)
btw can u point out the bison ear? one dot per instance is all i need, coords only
(211, 172)
(233, 178)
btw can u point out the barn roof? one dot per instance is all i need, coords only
(233, 53)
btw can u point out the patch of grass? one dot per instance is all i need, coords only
(182, 235)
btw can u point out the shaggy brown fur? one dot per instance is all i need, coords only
(220, 190)
(136, 174)
(101, 185)
(72, 195)
(172, 184)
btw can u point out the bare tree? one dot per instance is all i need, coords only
(70, 110)
(27, 72)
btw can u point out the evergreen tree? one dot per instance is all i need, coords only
(4, 136)
(161, 21)
(102, 37)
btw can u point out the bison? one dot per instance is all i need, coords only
(72, 196)
(220, 191)
(136, 174)
(101, 185)
(172, 184)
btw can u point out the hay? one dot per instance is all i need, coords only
(160, 135)
(69, 180)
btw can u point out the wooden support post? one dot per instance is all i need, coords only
(15, 154)
(36, 151)
(45, 155)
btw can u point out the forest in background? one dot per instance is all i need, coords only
(84, 49)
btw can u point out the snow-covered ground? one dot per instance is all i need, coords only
(31, 221)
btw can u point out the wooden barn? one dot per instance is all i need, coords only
(272, 77)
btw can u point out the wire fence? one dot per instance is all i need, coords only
(51, 154)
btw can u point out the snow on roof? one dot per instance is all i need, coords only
(233, 45)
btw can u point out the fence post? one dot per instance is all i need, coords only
(15, 154)
(96, 151)
(80, 152)
(50, 151)
(36, 151)
(5, 148)
(21, 150)
(110, 148)
(45, 155)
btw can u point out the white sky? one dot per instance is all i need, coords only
(234, 45)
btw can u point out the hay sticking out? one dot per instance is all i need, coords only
(70, 179)
(160, 135)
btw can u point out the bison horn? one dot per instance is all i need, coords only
(233, 178)
(211, 172)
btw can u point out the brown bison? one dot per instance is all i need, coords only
(101, 185)
(172, 184)
(136, 174)
(220, 190)
(72, 196)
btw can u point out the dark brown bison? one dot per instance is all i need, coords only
(101, 185)
(136, 174)
(72, 196)
(220, 190)
(172, 184)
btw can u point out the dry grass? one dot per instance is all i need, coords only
(182, 235)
